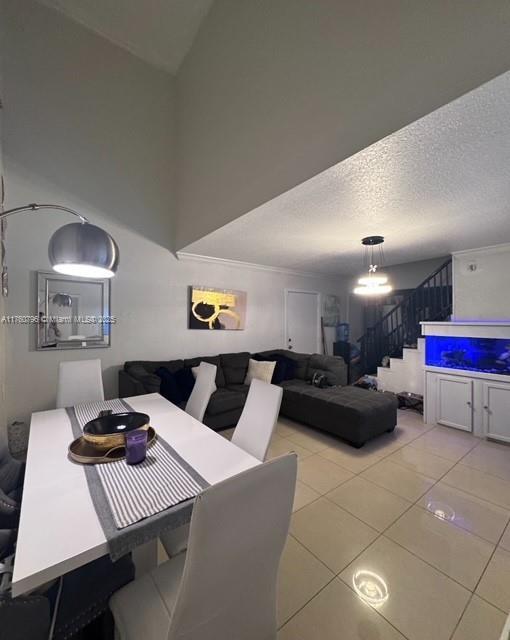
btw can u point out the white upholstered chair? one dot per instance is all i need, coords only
(224, 586)
(202, 391)
(79, 381)
(255, 428)
(253, 434)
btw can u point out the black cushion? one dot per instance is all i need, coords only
(176, 386)
(223, 400)
(136, 368)
(186, 382)
(194, 362)
(235, 366)
(151, 381)
(169, 387)
(301, 360)
(244, 388)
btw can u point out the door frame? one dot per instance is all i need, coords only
(318, 295)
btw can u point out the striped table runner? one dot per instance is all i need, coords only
(136, 492)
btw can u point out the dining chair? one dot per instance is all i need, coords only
(79, 381)
(255, 428)
(224, 586)
(202, 391)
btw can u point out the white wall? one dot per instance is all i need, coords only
(149, 296)
(411, 274)
(273, 93)
(481, 284)
(89, 117)
(89, 126)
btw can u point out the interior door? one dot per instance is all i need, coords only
(455, 402)
(496, 410)
(302, 331)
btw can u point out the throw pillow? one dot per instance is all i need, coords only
(290, 367)
(186, 382)
(169, 387)
(285, 368)
(194, 371)
(280, 370)
(261, 370)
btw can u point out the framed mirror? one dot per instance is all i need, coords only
(73, 313)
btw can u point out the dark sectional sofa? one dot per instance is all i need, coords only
(353, 414)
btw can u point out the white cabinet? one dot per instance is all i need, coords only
(471, 403)
(454, 402)
(496, 410)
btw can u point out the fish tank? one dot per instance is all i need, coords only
(485, 355)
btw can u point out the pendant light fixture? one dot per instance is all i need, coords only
(374, 283)
(77, 249)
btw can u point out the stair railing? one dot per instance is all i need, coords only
(431, 300)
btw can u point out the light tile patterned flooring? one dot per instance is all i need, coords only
(425, 509)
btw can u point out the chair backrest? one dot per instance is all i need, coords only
(79, 381)
(256, 425)
(237, 535)
(201, 394)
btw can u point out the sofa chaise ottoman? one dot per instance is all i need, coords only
(353, 414)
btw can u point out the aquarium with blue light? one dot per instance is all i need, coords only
(485, 355)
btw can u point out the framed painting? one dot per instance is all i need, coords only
(216, 309)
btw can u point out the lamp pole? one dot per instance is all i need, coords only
(9, 212)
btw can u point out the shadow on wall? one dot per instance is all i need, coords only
(88, 117)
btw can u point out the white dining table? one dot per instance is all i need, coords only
(59, 529)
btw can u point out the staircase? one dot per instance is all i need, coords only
(406, 373)
(397, 334)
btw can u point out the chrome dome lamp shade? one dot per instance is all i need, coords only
(77, 249)
(84, 250)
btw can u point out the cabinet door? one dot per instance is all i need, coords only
(455, 402)
(496, 410)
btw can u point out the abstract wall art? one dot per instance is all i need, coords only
(216, 309)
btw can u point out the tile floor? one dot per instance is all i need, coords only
(406, 538)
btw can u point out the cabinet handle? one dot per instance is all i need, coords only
(485, 407)
(468, 403)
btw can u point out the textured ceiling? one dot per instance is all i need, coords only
(440, 184)
(158, 31)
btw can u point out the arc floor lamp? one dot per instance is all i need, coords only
(77, 249)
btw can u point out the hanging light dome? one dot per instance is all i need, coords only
(374, 283)
(84, 250)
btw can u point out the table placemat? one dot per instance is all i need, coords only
(136, 503)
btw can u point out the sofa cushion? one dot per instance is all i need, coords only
(186, 382)
(295, 384)
(194, 362)
(150, 381)
(235, 366)
(224, 400)
(150, 366)
(333, 367)
(301, 360)
(244, 388)
(169, 387)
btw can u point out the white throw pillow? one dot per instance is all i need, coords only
(194, 371)
(260, 370)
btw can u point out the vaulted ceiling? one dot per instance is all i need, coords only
(438, 185)
(158, 31)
